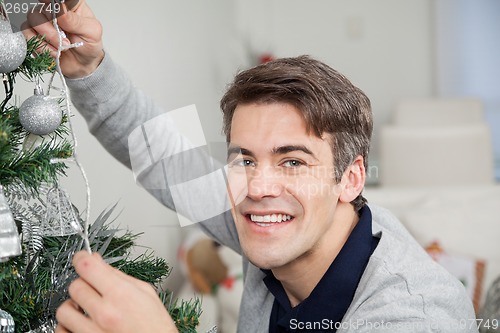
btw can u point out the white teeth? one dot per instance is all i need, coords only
(274, 218)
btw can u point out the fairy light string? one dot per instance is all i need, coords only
(61, 35)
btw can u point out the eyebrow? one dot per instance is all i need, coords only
(238, 151)
(291, 148)
(281, 150)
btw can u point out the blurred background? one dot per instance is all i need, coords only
(400, 52)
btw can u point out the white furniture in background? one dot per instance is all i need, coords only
(438, 112)
(436, 142)
(436, 176)
(465, 220)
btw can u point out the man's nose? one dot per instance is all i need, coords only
(264, 182)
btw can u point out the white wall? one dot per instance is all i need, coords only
(468, 56)
(167, 47)
(184, 52)
(384, 46)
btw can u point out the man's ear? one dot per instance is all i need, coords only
(353, 180)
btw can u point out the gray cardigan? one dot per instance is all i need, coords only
(401, 290)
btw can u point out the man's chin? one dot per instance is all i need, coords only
(265, 262)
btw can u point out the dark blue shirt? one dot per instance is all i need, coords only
(327, 304)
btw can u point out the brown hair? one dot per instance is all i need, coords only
(329, 102)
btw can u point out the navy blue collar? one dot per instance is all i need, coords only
(330, 299)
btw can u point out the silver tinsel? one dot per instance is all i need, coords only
(6, 322)
(40, 114)
(48, 327)
(10, 244)
(27, 208)
(12, 48)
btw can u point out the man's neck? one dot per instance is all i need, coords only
(301, 276)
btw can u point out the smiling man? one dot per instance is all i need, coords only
(315, 256)
(298, 137)
(295, 210)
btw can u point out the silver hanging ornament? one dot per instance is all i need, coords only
(60, 217)
(6, 322)
(13, 48)
(33, 141)
(10, 244)
(40, 114)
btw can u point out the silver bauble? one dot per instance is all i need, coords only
(40, 114)
(6, 322)
(12, 48)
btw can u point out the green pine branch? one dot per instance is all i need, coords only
(30, 167)
(28, 291)
(36, 64)
(146, 267)
(34, 167)
(33, 285)
(38, 61)
(185, 315)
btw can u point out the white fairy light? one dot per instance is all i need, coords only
(83, 233)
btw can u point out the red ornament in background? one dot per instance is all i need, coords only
(266, 57)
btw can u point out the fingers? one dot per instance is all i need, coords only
(87, 28)
(79, 21)
(85, 296)
(80, 27)
(102, 277)
(76, 20)
(51, 36)
(71, 318)
(144, 286)
(39, 24)
(112, 301)
(61, 329)
(92, 269)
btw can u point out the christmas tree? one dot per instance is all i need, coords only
(40, 228)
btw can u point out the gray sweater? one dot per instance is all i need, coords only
(401, 290)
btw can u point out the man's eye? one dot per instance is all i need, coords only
(242, 163)
(247, 163)
(292, 164)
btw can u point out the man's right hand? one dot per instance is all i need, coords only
(106, 300)
(80, 25)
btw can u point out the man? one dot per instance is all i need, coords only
(315, 256)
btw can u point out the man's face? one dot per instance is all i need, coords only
(281, 181)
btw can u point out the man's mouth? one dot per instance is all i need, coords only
(270, 219)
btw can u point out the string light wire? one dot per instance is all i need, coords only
(83, 233)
